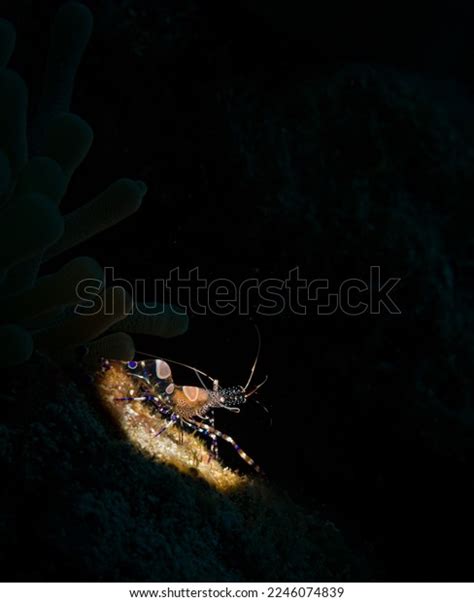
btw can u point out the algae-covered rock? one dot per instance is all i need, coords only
(91, 507)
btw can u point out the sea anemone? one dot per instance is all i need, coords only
(36, 165)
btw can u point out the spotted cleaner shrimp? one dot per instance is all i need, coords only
(189, 406)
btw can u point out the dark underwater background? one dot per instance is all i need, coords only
(273, 135)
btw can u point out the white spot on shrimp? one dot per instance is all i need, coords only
(191, 393)
(162, 369)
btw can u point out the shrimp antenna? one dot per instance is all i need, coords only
(196, 370)
(257, 387)
(266, 410)
(256, 358)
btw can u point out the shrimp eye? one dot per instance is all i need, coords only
(222, 400)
